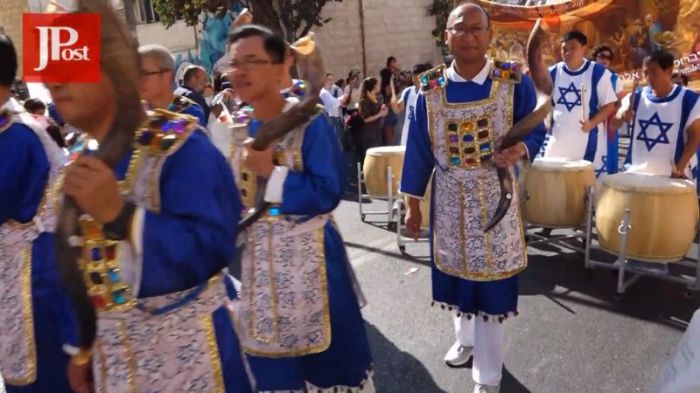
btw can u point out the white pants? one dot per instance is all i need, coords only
(487, 340)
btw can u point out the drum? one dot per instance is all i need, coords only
(557, 192)
(663, 216)
(377, 160)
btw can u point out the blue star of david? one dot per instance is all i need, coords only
(603, 166)
(564, 91)
(662, 137)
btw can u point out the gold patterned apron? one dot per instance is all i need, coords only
(283, 309)
(17, 345)
(467, 187)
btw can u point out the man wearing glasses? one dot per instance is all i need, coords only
(298, 312)
(157, 77)
(461, 113)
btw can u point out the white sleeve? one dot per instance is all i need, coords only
(328, 99)
(626, 102)
(606, 93)
(131, 264)
(275, 185)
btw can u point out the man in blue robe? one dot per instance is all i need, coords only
(461, 114)
(300, 319)
(36, 319)
(156, 234)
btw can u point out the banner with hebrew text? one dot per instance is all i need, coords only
(632, 28)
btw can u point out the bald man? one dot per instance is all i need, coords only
(462, 111)
(157, 78)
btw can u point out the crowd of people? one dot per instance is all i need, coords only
(163, 176)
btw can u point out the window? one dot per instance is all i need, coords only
(144, 12)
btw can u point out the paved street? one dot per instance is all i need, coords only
(571, 335)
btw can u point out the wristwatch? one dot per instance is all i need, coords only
(119, 228)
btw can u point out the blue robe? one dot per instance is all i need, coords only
(190, 239)
(24, 174)
(193, 109)
(318, 190)
(498, 297)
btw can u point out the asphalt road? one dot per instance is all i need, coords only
(571, 336)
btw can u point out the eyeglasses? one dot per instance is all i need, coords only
(459, 31)
(247, 63)
(145, 74)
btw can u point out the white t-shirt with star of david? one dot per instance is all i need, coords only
(655, 136)
(571, 97)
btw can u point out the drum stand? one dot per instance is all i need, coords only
(622, 265)
(389, 212)
(559, 240)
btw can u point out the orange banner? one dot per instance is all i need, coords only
(632, 28)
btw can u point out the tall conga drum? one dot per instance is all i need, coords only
(663, 216)
(377, 160)
(556, 191)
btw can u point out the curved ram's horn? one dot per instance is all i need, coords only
(120, 63)
(544, 86)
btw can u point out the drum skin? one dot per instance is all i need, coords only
(556, 190)
(663, 216)
(377, 160)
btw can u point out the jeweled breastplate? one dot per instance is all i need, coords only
(161, 136)
(463, 136)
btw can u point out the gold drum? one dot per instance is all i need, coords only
(663, 216)
(556, 190)
(377, 160)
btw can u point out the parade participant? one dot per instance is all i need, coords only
(461, 114)
(36, 318)
(603, 55)
(408, 99)
(156, 234)
(194, 83)
(312, 336)
(583, 98)
(665, 120)
(157, 78)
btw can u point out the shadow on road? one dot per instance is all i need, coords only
(396, 371)
(649, 299)
(510, 384)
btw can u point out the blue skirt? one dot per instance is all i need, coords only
(347, 361)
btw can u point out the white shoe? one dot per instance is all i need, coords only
(458, 355)
(479, 388)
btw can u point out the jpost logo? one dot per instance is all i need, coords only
(61, 48)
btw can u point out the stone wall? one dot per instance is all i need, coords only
(399, 28)
(11, 24)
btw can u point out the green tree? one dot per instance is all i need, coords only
(440, 9)
(292, 18)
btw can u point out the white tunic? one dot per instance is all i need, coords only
(660, 130)
(574, 100)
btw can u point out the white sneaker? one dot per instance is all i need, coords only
(479, 388)
(458, 355)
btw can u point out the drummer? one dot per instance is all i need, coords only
(583, 98)
(665, 120)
